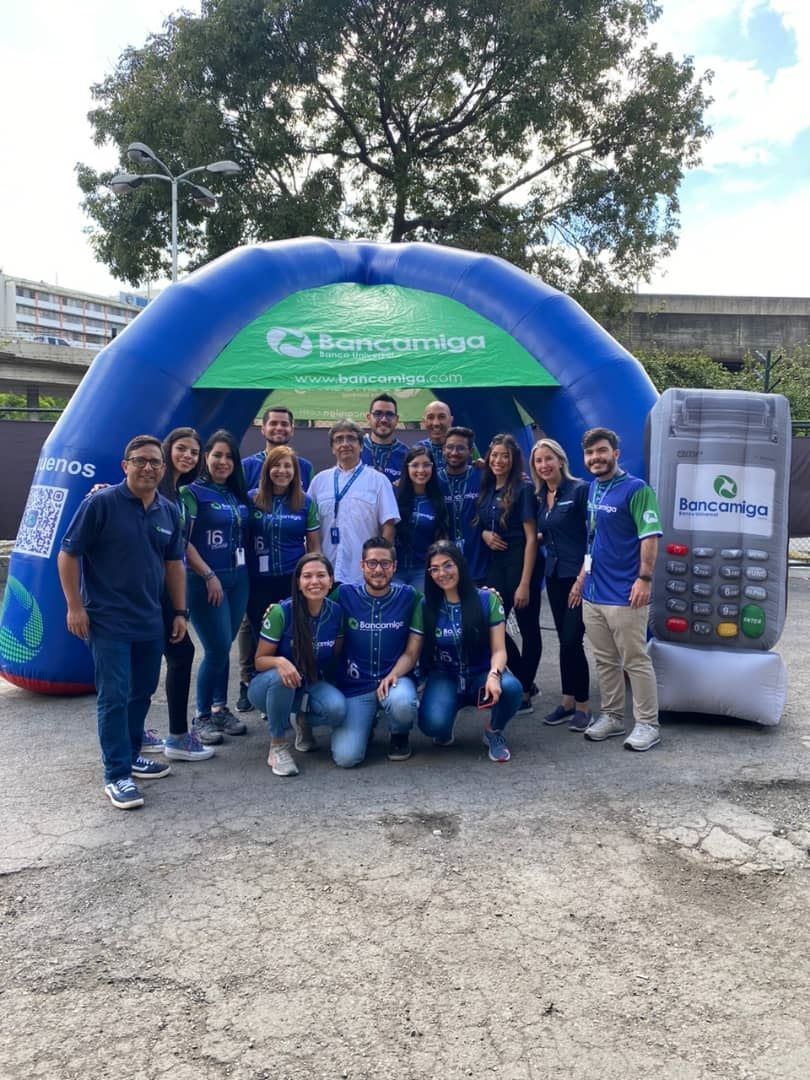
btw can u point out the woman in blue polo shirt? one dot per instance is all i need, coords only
(298, 642)
(562, 506)
(423, 516)
(283, 526)
(216, 505)
(507, 514)
(464, 653)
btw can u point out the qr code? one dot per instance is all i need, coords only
(40, 521)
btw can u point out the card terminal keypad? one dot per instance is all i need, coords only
(717, 577)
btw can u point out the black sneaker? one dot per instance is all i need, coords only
(224, 720)
(243, 703)
(399, 747)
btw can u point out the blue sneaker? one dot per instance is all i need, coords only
(150, 770)
(123, 794)
(495, 741)
(188, 747)
(151, 743)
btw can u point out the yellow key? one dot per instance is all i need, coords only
(727, 629)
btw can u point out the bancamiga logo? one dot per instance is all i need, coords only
(297, 344)
(287, 342)
(650, 517)
(727, 488)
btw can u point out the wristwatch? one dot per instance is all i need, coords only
(645, 577)
(183, 612)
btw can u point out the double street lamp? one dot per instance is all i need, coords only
(143, 155)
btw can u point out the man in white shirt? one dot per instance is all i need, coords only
(354, 502)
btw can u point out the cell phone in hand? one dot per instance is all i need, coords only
(484, 699)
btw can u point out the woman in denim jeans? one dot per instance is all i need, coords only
(464, 653)
(217, 510)
(298, 640)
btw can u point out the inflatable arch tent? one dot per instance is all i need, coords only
(474, 329)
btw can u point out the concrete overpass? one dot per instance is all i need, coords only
(723, 327)
(32, 368)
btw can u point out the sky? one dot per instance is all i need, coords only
(745, 212)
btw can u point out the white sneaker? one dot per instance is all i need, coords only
(281, 761)
(304, 739)
(643, 737)
(604, 727)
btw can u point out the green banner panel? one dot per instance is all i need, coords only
(371, 337)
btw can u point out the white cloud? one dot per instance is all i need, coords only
(759, 250)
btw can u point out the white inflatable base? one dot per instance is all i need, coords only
(744, 685)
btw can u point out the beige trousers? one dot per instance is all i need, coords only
(618, 637)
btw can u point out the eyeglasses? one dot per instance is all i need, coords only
(445, 568)
(338, 439)
(456, 448)
(146, 462)
(383, 564)
(382, 414)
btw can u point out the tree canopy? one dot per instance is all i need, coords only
(549, 132)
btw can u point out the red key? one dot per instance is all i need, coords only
(677, 549)
(677, 626)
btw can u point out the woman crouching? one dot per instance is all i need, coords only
(464, 653)
(298, 641)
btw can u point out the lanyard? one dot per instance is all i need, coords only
(599, 493)
(341, 493)
(453, 613)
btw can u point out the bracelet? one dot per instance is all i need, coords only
(209, 575)
(496, 673)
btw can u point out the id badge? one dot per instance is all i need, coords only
(240, 556)
(588, 563)
(462, 684)
(334, 534)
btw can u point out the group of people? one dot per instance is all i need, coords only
(380, 587)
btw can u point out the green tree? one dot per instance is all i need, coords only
(546, 131)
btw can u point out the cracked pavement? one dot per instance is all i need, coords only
(581, 912)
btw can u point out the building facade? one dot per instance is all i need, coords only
(54, 315)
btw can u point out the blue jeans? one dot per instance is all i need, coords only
(127, 674)
(349, 741)
(441, 701)
(216, 628)
(411, 576)
(267, 692)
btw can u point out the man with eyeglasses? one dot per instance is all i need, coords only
(381, 645)
(354, 502)
(382, 450)
(460, 482)
(123, 544)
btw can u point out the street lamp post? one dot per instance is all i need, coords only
(143, 155)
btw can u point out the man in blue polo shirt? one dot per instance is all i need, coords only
(382, 450)
(381, 645)
(277, 428)
(624, 524)
(123, 544)
(460, 482)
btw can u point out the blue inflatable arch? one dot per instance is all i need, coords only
(142, 382)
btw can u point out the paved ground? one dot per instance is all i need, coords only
(582, 912)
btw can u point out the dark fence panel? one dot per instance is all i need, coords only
(21, 442)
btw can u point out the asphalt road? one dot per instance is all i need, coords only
(581, 912)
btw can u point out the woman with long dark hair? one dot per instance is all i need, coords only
(284, 525)
(217, 508)
(464, 653)
(181, 452)
(299, 639)
(423, 516)
(562, 507)
(507, 513)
